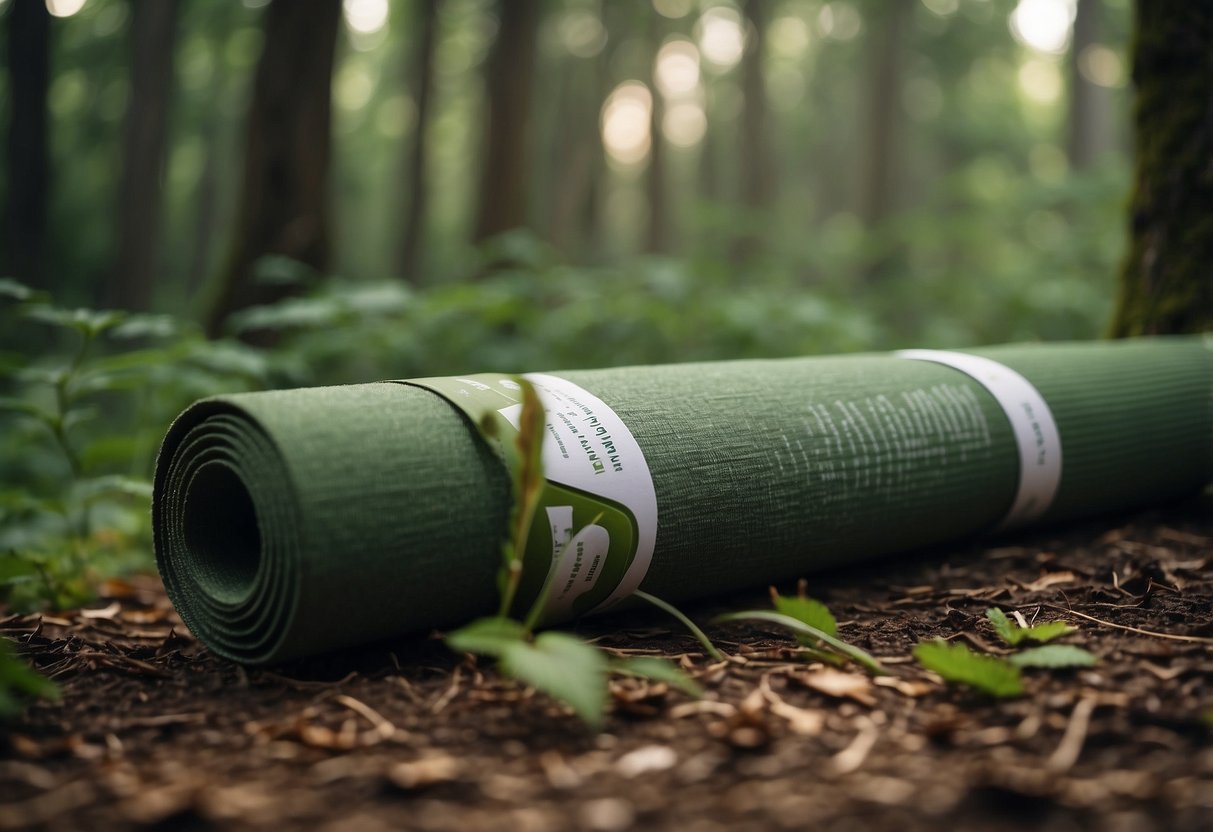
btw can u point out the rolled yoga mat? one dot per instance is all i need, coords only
(296, 522)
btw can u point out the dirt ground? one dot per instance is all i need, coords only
(154, 732)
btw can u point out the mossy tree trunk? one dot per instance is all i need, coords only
(1167, 279)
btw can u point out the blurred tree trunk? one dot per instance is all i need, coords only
(282, 207)
(1167, 280)
(509, 75)
(572, 198)
(757, 184)
(417, 148)
(132, 282)
(206, 200)
(1090, 123)
(659, 238)
(879, 175)
(23, 244)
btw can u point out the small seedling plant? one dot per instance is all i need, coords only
(557, 663)
(997, 676)
(813, 625)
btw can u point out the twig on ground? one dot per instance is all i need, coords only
(1138, 630)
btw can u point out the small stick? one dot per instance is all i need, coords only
(1138, 630)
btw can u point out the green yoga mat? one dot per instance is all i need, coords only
(296, 522)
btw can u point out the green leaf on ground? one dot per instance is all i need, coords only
(563, 667)
(659, 670)
(1013, 634)
(957, 663)
(1055, 655)
(808, 611)
(487, 636)
(801, 628)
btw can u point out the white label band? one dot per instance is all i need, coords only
(597, 505)
(1032, 423)
(618, 471)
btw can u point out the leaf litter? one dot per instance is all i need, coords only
(153, 731)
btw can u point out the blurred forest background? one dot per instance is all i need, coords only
(315, 191)
(782, 175)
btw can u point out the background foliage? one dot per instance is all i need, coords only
(705, 180)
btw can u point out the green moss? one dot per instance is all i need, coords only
(1167, 278)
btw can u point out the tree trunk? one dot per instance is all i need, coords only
(576, 152)
(878, 197)
(1090, 128)
(879, 177)
(1167, 280)
(282, 207)
(23, 240)
(509, 74)
(206, 198)
(132, 282)
(417, 148)
(658, 239)
(757, 186)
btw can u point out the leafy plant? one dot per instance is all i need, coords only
(957, 663)
(83, 410)
(813, 625)
(1055, 656)
(556, 663)
(996, 676)
(1014, 634)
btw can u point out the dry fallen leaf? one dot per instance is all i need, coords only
(838, 684)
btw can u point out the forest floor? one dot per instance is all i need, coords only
(154, 732)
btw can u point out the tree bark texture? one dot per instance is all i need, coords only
(509, 76)
(1089, 133)
(417, 148)
(132, 282)
(23, 244)
(282, 206)
(1166, 283)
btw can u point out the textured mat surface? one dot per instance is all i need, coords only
(298, 521)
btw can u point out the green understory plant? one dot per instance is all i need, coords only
(557, 663)
(997, 676)
(83, 405)
(814, 627)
